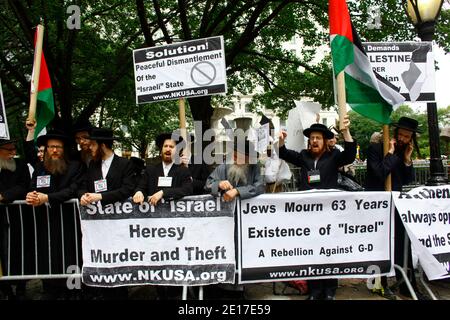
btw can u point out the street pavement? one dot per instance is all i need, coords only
(349, 289)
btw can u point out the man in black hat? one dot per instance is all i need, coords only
(56, 179)
(166, 180)
(14, 175)
(241, 178)
(109, 178)
(319, 170)
(197, 167)
(398, 163)
(14, 183)
(81, 131)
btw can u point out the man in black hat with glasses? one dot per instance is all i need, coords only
(319, 170)
(80, 132)
(55, 180)
(398, 163)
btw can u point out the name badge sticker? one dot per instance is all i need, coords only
(43, 181)
(100, 185)
(164, 181)
(313, 176)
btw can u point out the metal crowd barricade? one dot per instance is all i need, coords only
(40, 242)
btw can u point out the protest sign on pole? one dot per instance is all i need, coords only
(315, 235)
(425, 213)
(4, 131)
(407, 65)
(186, 69)
(182, 242)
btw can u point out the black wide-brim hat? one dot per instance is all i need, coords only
(159, 141)
(244, 147)
(102, 134)
(318, 127)
(7, 141)
(407, 124)
(82, 125)
(51, 134)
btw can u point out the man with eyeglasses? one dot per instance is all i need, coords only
(81, 131)
(55, 180)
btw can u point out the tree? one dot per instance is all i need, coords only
(91, 68)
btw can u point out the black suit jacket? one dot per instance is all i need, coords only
(119, 180)
(14, 185)
(328, 165)
(199, 173)
(379, 167)
(181, 182)
(62, 187)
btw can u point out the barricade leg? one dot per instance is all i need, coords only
(430, 293)
(405, 278)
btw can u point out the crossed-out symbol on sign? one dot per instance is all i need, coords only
(203, 73)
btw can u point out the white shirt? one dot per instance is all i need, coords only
(166, 168)
(105, 165)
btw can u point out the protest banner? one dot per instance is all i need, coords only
(407, 65)
(315, 235)
(186, 69)
(181, 242)
(425, 213)
(4, 131)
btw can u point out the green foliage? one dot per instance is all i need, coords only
(92, 71)
(362, 128)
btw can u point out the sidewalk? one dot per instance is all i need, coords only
(349, 289)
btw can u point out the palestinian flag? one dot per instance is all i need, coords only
(367, 92)
(45, 108)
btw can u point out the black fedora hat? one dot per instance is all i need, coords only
(407, 124)
(51, 134)
(101, 134)
(244, 146)
(7, 141)
(82, 125)
(318, 127)
(159, 141)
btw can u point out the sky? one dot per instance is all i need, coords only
(442, 77)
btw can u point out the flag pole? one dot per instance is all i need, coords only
(182, 117)
(36, 71)
(342, 100)
(387, 182)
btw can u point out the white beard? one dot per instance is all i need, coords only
(237, 175)
(8, 165)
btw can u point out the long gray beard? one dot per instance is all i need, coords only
(55, 166)
(9, 164)
(237, 175)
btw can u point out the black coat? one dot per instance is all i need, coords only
(379, 167)
(14, 185)
(328, 165)
(199, 172)
(181, 182)
(62, 187)
(119, 180)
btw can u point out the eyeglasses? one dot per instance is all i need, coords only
(54, 147)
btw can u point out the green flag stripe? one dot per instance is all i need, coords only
(342, 53)
(45, 110)
(367, 101)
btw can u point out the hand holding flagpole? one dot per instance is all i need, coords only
(31, 119)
